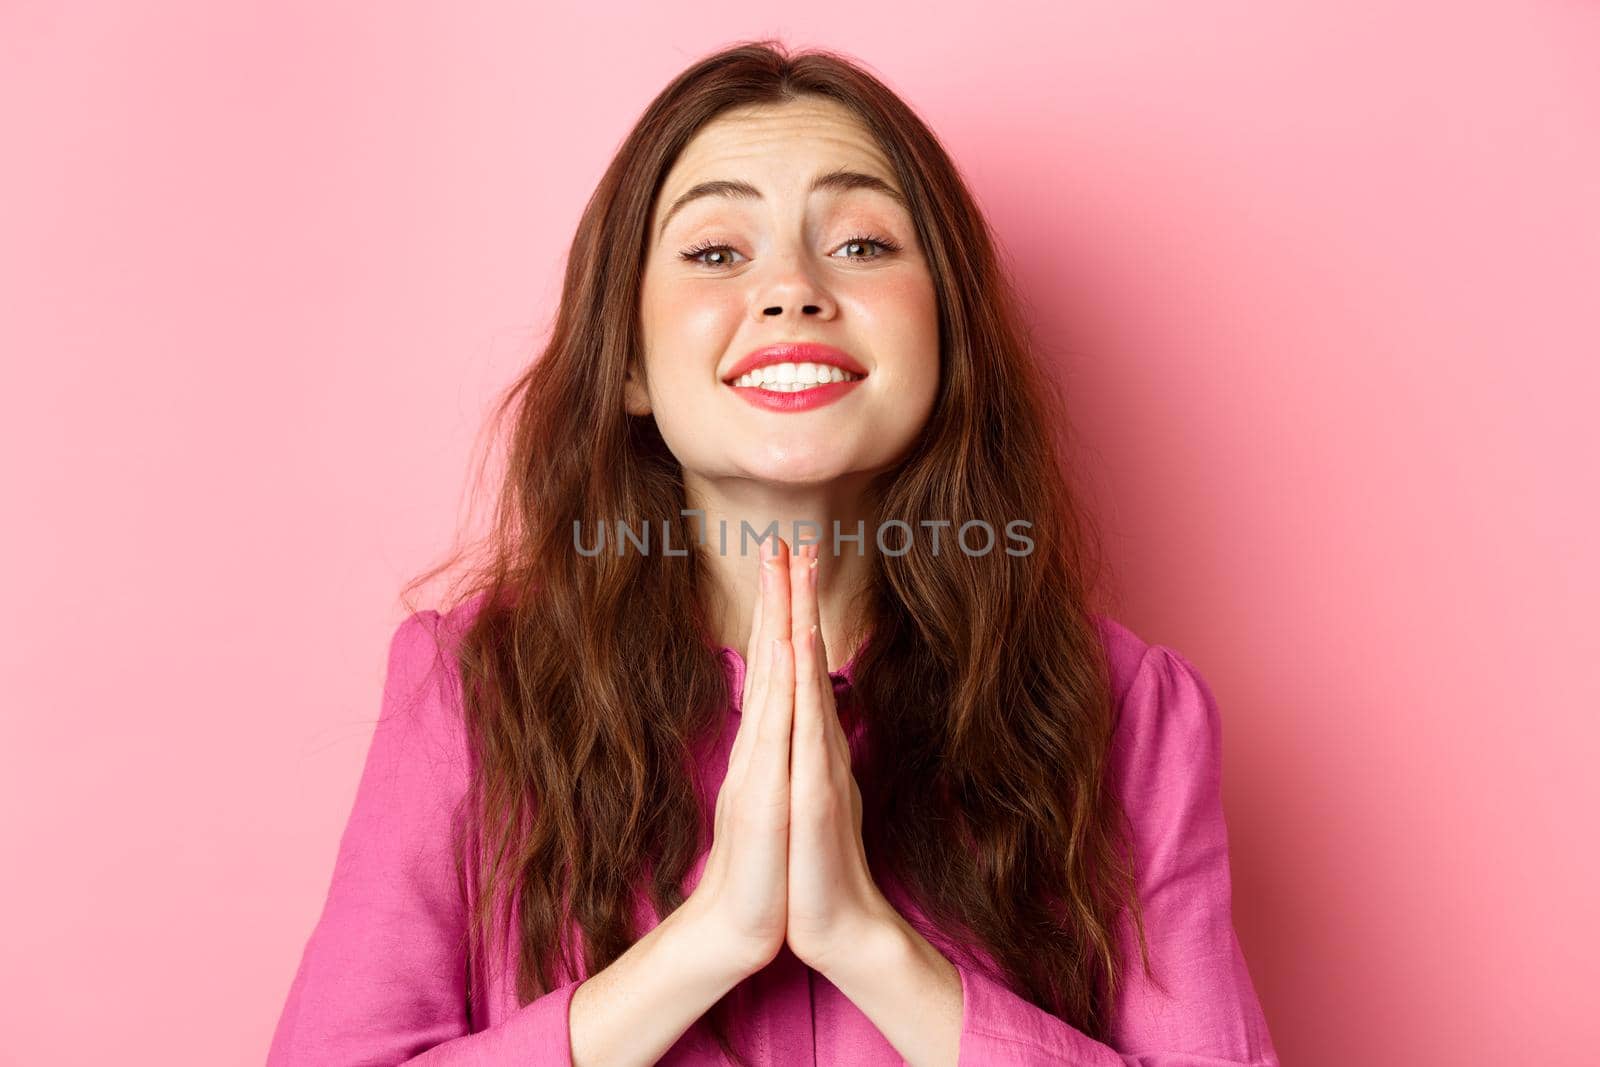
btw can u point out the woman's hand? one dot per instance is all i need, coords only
(787, 862)
(833, 901)
(743, 888)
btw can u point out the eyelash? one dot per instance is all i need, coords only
(888, 246)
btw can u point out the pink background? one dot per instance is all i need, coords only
(1322, 280)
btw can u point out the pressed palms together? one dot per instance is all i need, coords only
(787, 863)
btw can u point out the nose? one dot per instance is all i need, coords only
(790, 283)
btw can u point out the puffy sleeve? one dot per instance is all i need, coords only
(1167, 756)
(383, 977)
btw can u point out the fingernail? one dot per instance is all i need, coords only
(813, 569)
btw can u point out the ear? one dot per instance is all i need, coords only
(636, 399)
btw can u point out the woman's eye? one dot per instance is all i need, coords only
(885, 246)
(697, 254)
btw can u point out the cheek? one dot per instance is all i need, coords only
(904, 323)
(688, 321)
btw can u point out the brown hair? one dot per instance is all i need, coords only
(984, 688)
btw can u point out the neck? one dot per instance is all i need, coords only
(736, 512)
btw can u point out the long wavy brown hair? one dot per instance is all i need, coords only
(984, 688)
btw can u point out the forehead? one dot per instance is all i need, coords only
(778, 148)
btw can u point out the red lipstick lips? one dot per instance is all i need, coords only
(796, 352)
(801, 399)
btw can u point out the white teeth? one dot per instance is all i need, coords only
(793, 377)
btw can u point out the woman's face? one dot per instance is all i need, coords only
(730, 273)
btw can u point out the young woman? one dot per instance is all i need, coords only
(654, 791)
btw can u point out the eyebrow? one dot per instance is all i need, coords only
(841, 179)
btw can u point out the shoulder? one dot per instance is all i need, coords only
(1124, 649)
(422, 710)
(423, 647)
(421, 665)
(1167, 716)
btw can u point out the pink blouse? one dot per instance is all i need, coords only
(384, 975)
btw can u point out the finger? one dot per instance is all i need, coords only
(803, 594)
(753, 644)
(770, 760)
(829, 714)
(758, 659)
(811, 669)
(779, 699)
(816, 612)
(811, 756)
(776, 608)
